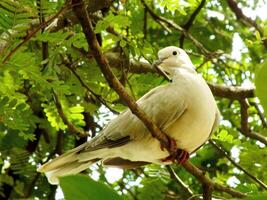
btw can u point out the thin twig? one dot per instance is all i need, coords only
(200, 175)
(97, 96)
(260, 113)
(177, 179)
(145, 23)
(172, 24)
(223, 152)
(71, 127)
(233, 5)
(245, 130)
(189, 23)
(33, 32)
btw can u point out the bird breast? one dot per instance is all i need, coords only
(194, 127)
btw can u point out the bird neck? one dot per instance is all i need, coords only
(182, 68)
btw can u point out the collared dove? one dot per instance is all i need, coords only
(184, 109)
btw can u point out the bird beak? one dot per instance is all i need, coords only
(156, 65)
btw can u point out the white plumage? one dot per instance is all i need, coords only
(184, 109)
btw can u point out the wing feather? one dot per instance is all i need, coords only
(161, 104)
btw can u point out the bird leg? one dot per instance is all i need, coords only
(172, 145)
(180, 156)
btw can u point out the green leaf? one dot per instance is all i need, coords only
(260, 82)
(84, 188)
(224, 136)
(173, 5)
(258, 36)
(259, 196)
(117, 21)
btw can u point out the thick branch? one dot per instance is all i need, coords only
(232, 92)
(85, 21)
(189, 23)
(139, 67)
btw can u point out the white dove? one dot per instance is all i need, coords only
(184, 109)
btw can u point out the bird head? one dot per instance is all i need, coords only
(170, 59)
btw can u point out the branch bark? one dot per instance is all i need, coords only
(232, 92)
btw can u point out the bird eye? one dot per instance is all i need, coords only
(174, 53)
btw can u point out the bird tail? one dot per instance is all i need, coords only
(66, 164)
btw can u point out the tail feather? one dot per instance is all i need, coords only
(68, 163)
(69, 168)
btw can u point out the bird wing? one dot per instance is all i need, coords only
(163, 105)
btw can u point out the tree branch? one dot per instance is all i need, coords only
(189, 23)
(139, 67)
(224, 153)
(85, 21)
(245, 130)
(246, 20)
(260, 113)
(97, 96)
(232, 92)
(172, 24)
(200, 175)
(177, 179)
(86, 24)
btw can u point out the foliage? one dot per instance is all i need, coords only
(260, 80)
(54, 71)
(83, 188)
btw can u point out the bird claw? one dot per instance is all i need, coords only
(179, 155)
(173, 145)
